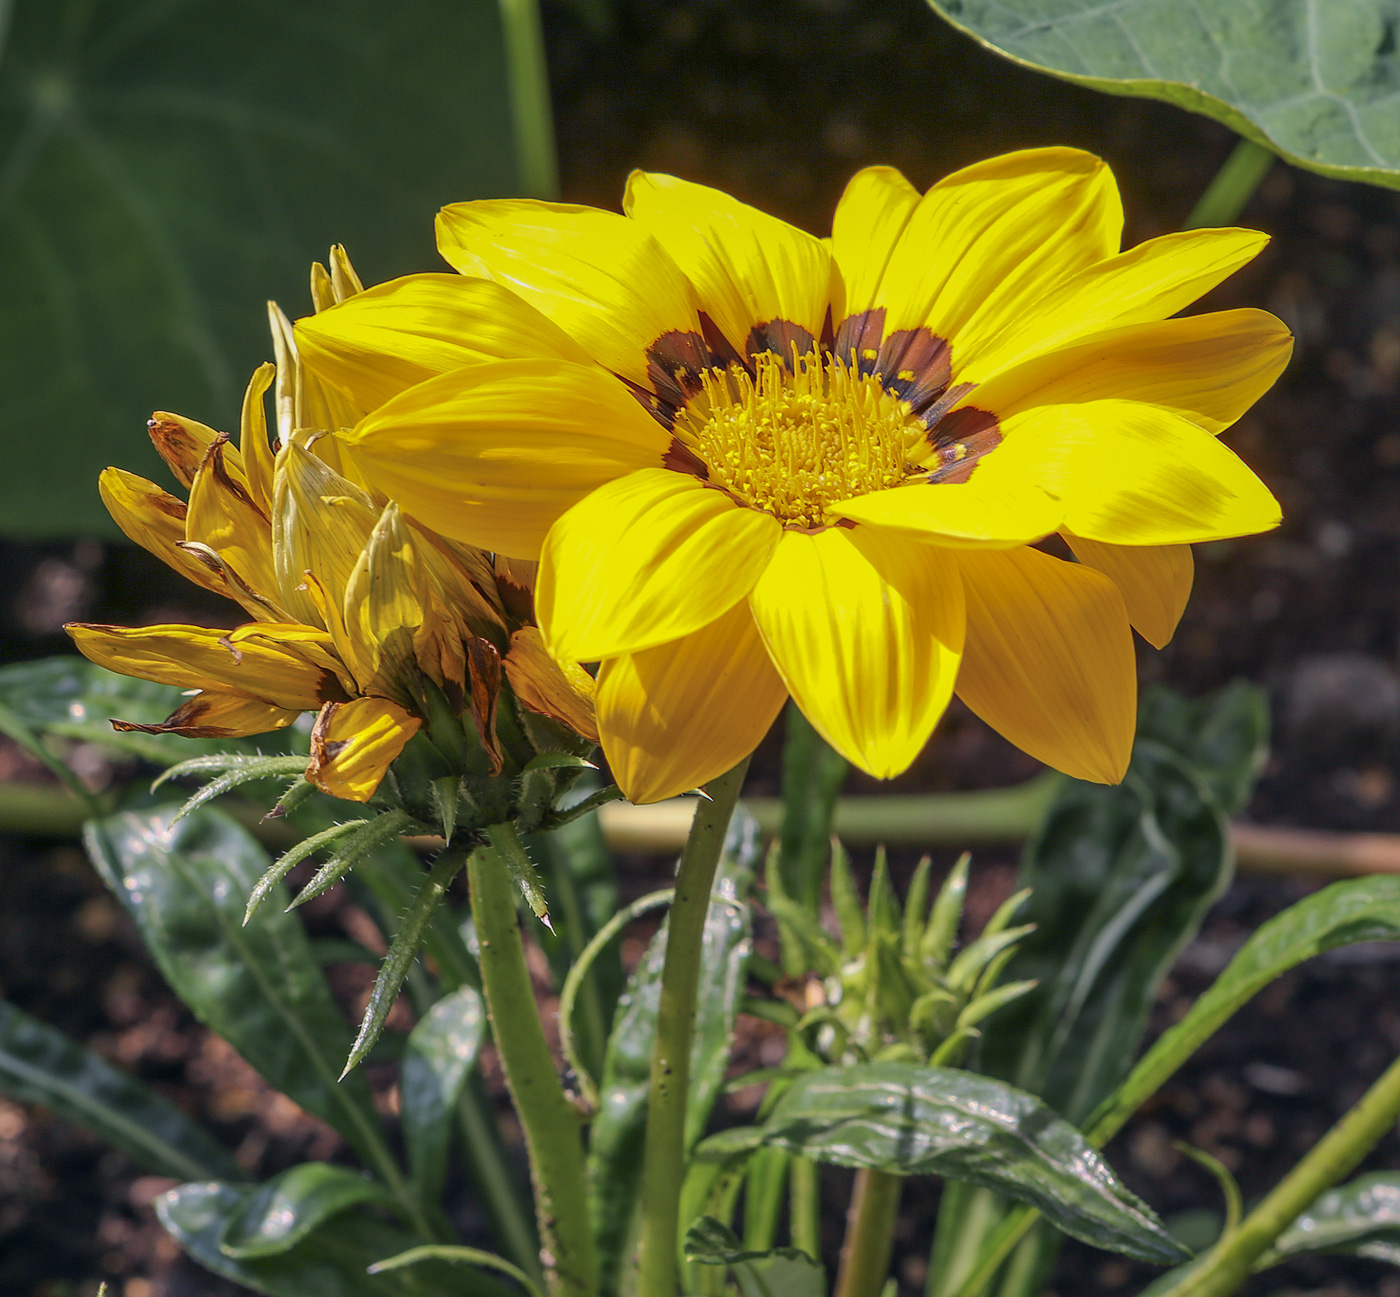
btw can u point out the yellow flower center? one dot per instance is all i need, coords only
(794, 438)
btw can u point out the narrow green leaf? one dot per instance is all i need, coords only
(402, 952)
(774, 1272)
(1359, 909)
(289, 860)
(1316, 84)
(441, 1052)
(275, 1217)
(462, 1256)
(912, 1120)
(245, 771)
(942, 931)
(813, 773)
(41, 1065)
(845, 900)
(366, 838)
(1361, 1218)
(615, 1144)
(257, 986)
(332, 1261)
(511, 852)
(916, 907)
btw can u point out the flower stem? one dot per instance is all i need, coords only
(1228, 1264)
(663, 1166)
(532, 120)
(804, 1207)
(1233, 186)
(552, 1133)
(865, 1255)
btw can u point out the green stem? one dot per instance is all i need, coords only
(663, 1166)
(1228, 1264)
(865, 1255)
(1234, 185)
(805, 1207)
(532, 119)
(552, 1132)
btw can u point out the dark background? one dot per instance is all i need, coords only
(779, 103)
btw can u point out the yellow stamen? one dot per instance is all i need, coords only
(794, 438)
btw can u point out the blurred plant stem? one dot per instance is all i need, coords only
(532, 117)
(553, 1133)
(664, 1160)
(865, 1254)
(1234, 185)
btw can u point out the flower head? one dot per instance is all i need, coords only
(755, 463)
(359, 613)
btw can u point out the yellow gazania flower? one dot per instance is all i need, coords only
(757, 463)
(355, 606)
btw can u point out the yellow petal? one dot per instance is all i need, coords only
(994, 238)
(752, 272)
(354, 743)
(1049, 660)
(675, 716)
(183, 443)
(563, 691)
(1132, 474)
(213, 715)
(1210, 368)
(224, 516)
(1154, 580)
(1149, 282)
(253, 442)
(870, 216)
(493, 454)
(865, 629)
(386, 606)
(979, 513)
(384, 340)
(601, 278)
(645, 560)
(198, 657)
(303, 399)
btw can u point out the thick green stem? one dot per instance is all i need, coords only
(532, 119)
(1228, 1264)
(805, 1207)
(663, 1167)
(552, 1129)
(865, 1255)
(1233, 186)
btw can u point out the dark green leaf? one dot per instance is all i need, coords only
(257, 986)
(1315, 83)
(1360, 909)
(332, 1261)
(276, 1216)
(615, 1144)
(168, 167)
(41, 1065)
(775, 1272)
(1358, 1219)
(912, 1120)
(441, 1051)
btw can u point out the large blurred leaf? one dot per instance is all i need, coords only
(618, 1132)
(1357, 1219)
(1315, 80)
(41, 1065)
(257, 985)
(165, 168)
(279, 1214)
(330, 1262)
(914, 1120)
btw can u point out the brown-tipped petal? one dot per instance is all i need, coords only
(183, 443)
(354, 743)
(563, 691)
(213, 715)
(224, 516)
(484, 669)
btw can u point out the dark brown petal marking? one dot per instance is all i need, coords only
(916, 366)
(960, 440)
(858, 339)
(779, 337)
(664, 412)
(681, 459)
(185, 720)
(177, 448)
(214, 458)
(674, 363)
(723, 353)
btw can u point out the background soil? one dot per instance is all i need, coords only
(779, 102)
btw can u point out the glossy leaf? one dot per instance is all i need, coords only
(616, 1139)
(913, 1120)
(774, 1272)
(170, 167)
(279, 1214)
(1359, 909)
(332, 1261)
(1361, 1218)
(441, 1052)
(1315, 83)
(41, 1065)
(258, 986)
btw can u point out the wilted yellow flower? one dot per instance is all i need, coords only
(756, 463)
(360, 614)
